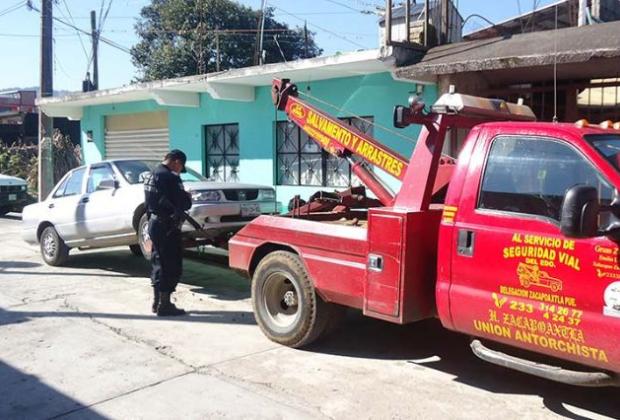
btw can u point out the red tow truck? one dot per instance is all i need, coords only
(514, 242)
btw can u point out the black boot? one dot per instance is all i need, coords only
(155, 300)
(167, 308)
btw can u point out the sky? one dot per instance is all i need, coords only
(340, 25)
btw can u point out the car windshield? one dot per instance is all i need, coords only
(134, 171)
(607, 145)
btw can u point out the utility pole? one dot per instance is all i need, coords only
(426, 22)
(46, 88)
(583, 13)
(305, 39)
(95, 39)
(262, 30)
(217, 49)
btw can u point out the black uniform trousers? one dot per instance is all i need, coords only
(166, 255)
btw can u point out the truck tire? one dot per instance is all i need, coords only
(53, 249)
(286, 306)
(143, 237)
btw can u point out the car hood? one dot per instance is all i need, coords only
(11, 180)
(207, 185)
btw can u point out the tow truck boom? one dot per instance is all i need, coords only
(341, 140)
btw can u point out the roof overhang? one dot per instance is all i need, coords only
(234, 85)
(531, 52)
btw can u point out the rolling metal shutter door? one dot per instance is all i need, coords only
(150, 143)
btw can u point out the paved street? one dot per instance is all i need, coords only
(80, 342)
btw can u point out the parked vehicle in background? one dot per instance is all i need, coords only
(102, 205)
(13, 194)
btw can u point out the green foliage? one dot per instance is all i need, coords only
(21, 160)
(178, 38)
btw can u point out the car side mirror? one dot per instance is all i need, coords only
(108, 184)
(580, 210)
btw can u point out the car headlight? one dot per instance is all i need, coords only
(268, 194)
(205, 196)
(23, 188)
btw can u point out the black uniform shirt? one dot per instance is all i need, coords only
(164, 194)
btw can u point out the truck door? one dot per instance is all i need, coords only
(515, 277)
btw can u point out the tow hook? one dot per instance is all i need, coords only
(553, 373)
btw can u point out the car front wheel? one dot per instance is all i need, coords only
(53, 249)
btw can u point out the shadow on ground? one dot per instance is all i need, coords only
(207, 272)
(427, 344)
(216, 317)
(24, 396)
(17, 264)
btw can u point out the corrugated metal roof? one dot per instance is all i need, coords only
(574, 45)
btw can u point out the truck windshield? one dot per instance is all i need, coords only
(607, 145)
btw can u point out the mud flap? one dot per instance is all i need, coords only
(553, 373)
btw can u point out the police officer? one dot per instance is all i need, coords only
(165, 202)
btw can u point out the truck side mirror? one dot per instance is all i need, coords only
(580, 210)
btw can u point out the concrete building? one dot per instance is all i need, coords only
(573, 73)
(228, 126)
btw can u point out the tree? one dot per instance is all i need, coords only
(180, 38)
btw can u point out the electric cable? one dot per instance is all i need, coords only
(322, 29)
(101, 38)
(364, 12)
(86, 54)
(353, 115)
(13, 8)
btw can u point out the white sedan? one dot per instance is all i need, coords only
(102, 205)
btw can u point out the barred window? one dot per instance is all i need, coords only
(222, 146)
(301, 161)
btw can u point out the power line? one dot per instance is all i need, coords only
(381, 5)
(103, 19)
(13, 8)
(321, 28)
(78, 33)
(102, 39)
(364, 12)
(17, 35)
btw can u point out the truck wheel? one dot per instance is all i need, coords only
(144, 240)
(53, 248)
(286, 306)
(136, 250)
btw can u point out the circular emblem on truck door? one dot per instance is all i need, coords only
(612, 300)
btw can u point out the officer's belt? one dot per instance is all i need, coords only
(168, 218)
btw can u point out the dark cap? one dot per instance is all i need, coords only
(177, 154)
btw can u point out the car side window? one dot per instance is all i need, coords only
(61, 188)
(530, 175)
(97, 175)
(72, 185)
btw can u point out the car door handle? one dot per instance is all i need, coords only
(465, 243)
(84, 200)
(50, 206)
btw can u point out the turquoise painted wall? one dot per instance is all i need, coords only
(370, 95)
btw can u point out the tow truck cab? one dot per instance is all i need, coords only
(507, 270)
(522, 250)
